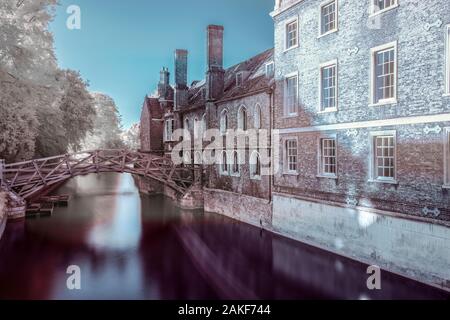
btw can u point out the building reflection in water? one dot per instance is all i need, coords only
(132, 246)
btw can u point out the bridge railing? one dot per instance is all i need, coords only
(28, 177)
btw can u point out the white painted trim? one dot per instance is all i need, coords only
(336, 95)
(252, 158)
(286, 77)
(222, 113)
(257, 115)
(437, 118)
(374, 13)
(336, 16)
(221, 171)
(239, 118)
(285, 164)
(446, 142)
(447, 61)
(267, 65)
(373, 51)
(320, 173)
(384, 102)
(286, 23)
(372, 176)
(232, 163)
(277, 10)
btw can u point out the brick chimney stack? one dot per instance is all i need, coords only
(163, 85)
(215, 74)
(181, 69)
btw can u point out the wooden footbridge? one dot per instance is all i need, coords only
(26, 179)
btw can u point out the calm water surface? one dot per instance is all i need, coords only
(132, 246)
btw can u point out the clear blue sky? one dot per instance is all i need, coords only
(123, 44)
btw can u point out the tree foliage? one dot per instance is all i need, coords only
(107, 125)
(44, 111)
(131, 137)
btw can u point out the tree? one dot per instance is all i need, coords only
(131, 137)
(44, 110)
(107, 125)
(77, 106)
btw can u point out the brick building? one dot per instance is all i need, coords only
(238, 97)
(362, 106)
(359, 93)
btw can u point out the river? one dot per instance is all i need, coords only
(133, 246)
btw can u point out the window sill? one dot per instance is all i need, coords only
(255, 178)
(289, 116)
(290, 173)
(324, 176)
(290, 49)
(446, 186)
(327, 33)
(384, 103)
(446, 94)
(374, 14)
(236, 175)
(330, 110)
(393, 182)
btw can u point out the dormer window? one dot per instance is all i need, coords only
(239, 79)
(270, 69)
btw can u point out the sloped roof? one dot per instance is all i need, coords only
(254, 79)
(153, 107)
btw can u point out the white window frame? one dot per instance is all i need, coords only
(196, 128)
(198, 157)
(373, 53)
(286, 111)
(323, 66)
(320, 172)
(286, 24)
(373, 11)
(271, 63)
(227, 165)
(372, 170)
(168, 129)
(336, 18)
(286, 169)
(447, 60)
(254, 156)
(203, 125)
(232, 163)
(223, 124)
(243, 122)
(187, 157)
(446, 158)
(187, 131)
(257, 123)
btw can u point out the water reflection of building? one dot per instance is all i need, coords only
(362, 111)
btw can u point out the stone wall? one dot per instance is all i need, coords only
(415, 249)
(419, 165)
(148, 186)
(243, 183)
(419, 29)
(252, 210)
(3, 215)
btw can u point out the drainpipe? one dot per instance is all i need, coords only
(271, 127)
